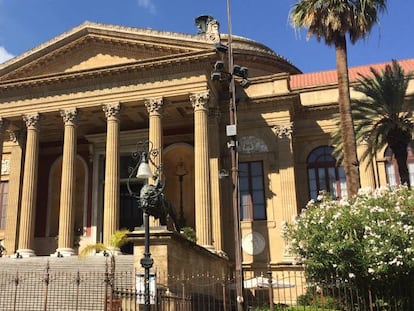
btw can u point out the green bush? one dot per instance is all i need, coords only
(189, 233)
(364, 242)
(305, 299)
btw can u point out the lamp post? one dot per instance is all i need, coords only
(149, 199)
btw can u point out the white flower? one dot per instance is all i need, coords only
(351, 275)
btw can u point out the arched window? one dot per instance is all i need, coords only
(393, 178)
(325, 174)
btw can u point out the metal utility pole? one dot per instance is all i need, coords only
(234, 171)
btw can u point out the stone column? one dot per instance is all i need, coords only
(214, 144)
(28, 208)
(111, 191)
(13, 200)
(155, 108)
(3, 126)
(67, 188)
(366, 169)
(202, 170)
(287, 190)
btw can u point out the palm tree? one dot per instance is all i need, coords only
(383, 116)
(118, 239)
(332, 20)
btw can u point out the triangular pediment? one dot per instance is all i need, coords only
(93, 46)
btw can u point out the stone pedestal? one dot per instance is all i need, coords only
(176, 256)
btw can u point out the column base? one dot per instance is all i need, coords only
(63, 252)
(24, 253)
(209, 248)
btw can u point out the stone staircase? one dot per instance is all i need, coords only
(68, 283)
(68, 264)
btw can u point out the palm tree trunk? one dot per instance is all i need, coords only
(401, 155)
(351, 164)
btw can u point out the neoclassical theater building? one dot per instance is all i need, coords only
(74, 108)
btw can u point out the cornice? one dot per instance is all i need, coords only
(132, 33)
(89, 39)
(147, 37)
(146, 64)
(245, 44)
(322, 107)
(287, 102)
(270, 78)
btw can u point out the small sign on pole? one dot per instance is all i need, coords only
(140, 287)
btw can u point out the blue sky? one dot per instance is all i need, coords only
(25, 24)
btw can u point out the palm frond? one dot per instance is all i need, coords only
(92, 248)
(330, 19)
(119, 238)
(381, 111)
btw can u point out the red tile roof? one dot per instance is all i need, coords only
(321, 78)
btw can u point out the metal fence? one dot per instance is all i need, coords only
(100, 290)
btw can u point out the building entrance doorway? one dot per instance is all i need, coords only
(130, 215)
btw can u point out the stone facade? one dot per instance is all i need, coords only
(114, 86)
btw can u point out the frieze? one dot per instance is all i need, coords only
(252, 144)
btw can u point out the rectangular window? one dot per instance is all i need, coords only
(4, 192)
(252, 194)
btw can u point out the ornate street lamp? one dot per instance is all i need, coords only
(149, 199)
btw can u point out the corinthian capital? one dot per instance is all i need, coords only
(112, 110)
(32, 120)
(69, 116)
(200, 100)
(283, 130)
(154, 105)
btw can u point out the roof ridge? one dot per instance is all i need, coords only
(329, 77)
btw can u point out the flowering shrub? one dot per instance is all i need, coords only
(366, 240)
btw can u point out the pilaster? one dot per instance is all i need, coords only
(13, 200)
(366, 169)
(214, 145)
(287, 190)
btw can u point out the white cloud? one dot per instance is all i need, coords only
(147, 4)
(4, 55)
